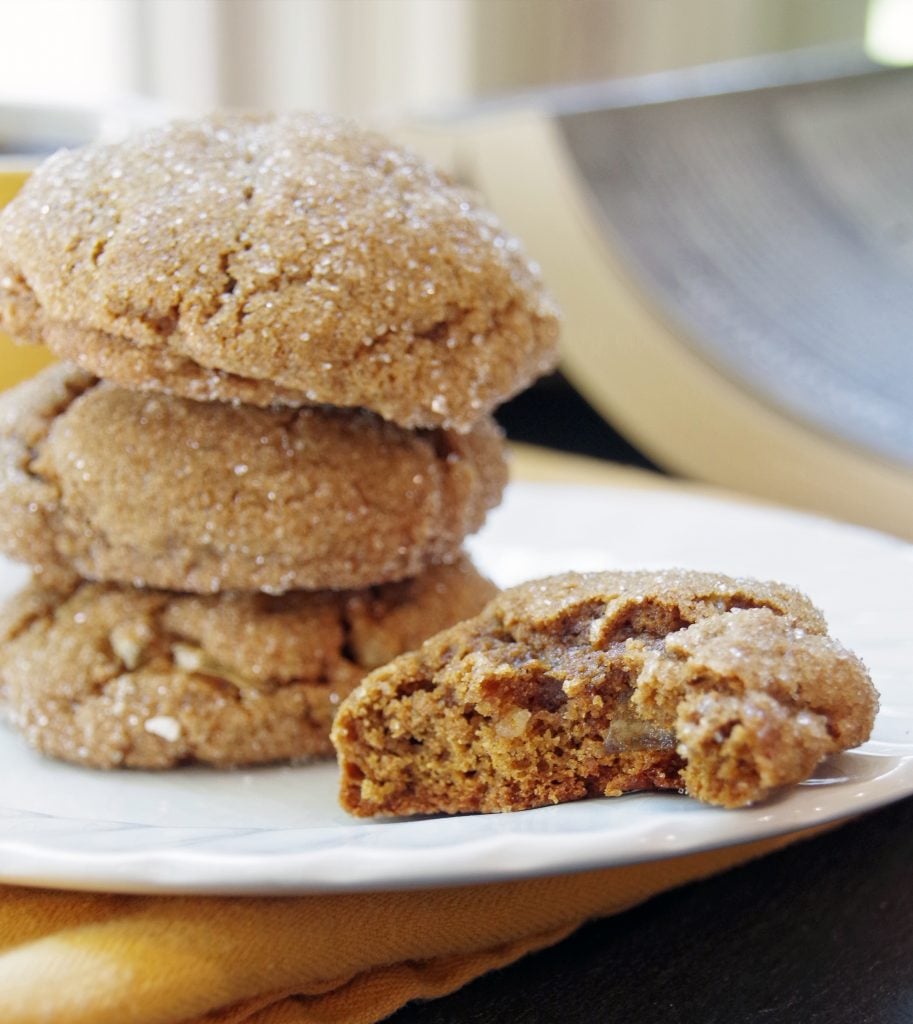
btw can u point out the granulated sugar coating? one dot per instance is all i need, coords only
(115, 676)
(603, 683)
(208, 496)
(275, 259)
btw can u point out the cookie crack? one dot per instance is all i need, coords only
(27, 452)
(24, 624)
(98, 250)
(230, 279)
(347, 649)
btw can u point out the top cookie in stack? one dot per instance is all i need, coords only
(248, 300)
(275, 260)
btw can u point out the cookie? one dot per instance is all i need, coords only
(603, 683)
(110, 676)
(275, 258)
(160, 491)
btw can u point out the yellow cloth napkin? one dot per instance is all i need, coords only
(108, 959)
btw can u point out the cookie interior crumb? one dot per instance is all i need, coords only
(603, 683)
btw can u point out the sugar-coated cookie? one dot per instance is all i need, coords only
(151, 489)
(602, 683)
(111, 676)
(285, 258)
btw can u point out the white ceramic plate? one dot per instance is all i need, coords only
(279, 830)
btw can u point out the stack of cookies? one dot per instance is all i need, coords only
(251, 483)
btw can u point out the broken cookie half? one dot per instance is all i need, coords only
(603, 683)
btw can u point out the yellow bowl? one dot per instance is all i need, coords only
(17, 361)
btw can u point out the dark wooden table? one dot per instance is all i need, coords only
(819, 933)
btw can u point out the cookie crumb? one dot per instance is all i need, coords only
(164, 726)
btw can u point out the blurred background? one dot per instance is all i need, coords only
(386, 58)
(432, 70)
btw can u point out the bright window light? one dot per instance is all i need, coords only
(889, 31)
(66, 52)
